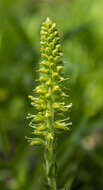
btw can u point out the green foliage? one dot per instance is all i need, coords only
(79, 152)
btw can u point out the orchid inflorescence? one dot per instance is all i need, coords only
(50, 97)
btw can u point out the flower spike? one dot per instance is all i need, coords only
(50, 97)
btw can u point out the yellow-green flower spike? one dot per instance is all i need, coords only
(49, 98)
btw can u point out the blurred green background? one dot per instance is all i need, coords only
(80, 153)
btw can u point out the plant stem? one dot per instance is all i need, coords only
(50, 166)
(50, 144)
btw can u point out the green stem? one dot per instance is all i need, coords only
(50, 146)
(50, 165)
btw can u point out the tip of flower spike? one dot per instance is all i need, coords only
(48, 20)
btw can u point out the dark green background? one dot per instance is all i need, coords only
(80, 152)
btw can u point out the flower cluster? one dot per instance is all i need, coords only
(49, 100)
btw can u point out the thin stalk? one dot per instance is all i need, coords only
(50, 146)
(50, 165)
